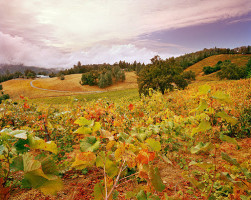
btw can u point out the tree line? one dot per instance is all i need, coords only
(2, 95)
(103, 77)
(167, 74)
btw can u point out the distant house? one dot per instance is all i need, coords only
(42, 76)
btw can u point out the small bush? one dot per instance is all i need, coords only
(232, 72)
(189, 75)
(62, 77)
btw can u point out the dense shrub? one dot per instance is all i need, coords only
(209, 70)
(103, 77)
(89, 78)
(62, 77)
(231, 71)
(189, 75)
(3, 96)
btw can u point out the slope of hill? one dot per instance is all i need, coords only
(69, 86)
(238, 59)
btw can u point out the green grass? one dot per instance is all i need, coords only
(116, 96)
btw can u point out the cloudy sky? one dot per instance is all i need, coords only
(58, 33)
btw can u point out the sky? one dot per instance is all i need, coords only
(59, 33)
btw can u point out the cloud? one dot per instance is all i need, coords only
(51, 32)
(76, 24)
(14, 50)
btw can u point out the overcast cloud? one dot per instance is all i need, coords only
(58, 33)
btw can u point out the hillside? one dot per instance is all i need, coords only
(238, 59)
(160, 139)
(69, 86)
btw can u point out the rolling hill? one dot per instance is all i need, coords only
(55, 87)
(52, 87)
(238, 59)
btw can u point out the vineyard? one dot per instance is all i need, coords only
(186, 144)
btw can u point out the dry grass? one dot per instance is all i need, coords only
(238, 59)
(18, 87)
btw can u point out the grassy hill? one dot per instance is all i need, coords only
(238, 59)
(69, 86)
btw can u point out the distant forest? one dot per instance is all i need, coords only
(183, 61)
(8, 72)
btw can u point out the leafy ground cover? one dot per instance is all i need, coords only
(189, 144)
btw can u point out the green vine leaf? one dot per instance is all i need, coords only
(82, 121)
(226, 117)
(229, 139)
(204, 89)
(156, 179)
(155, 145)
(221, 96)
(203, 127)
(38, 143)
(89, 144)
(227, 158)
(201, 147)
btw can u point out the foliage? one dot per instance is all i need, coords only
(89, 78)
(249, 68)
(209, 70)
(62, 77)
(16, 155)
(103, 77)
(189, 75)
(185, 130)
(160, 75)
(232, 71)
(29, 73)
(2, 95)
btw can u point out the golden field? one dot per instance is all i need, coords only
(66, 87)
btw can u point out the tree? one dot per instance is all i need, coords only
(189, 75)
(160, 75)
(89, 78)
(29, 73)
(232, 71)
(62, 77)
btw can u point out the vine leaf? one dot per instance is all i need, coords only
(99, 191)
(83, 160)
(82, 121)
(89, 144)
(38, 143)
(34, 170)
(203, 126)
(22, 134)
(221, 96)
(201, 147)
(226, 117)
(156, 179)
(141, 195)
(229, 139)
(227, 158)
(155, 145)
(83, 130)
(204, 89)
